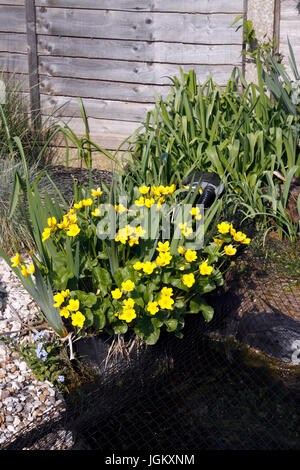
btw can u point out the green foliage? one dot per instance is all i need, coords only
(44, 358)
(241, 134)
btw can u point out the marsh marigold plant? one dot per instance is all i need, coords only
(128, 281)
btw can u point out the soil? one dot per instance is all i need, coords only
(269, 279)
(64, 178)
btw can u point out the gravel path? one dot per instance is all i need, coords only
(24, 401)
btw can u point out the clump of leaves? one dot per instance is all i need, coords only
(43, 355)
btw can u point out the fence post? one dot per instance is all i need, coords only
(34, 86)
(276, 26)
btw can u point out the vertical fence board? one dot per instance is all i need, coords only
(33, 62)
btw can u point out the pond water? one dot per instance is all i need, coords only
(193, 394)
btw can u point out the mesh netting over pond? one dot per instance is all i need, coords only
(230, 384)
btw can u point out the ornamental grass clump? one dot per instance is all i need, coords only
(125, 262)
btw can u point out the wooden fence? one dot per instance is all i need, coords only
(115, 54)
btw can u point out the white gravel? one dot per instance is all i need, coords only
(24, 401)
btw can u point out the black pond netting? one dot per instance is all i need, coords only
(232, 384)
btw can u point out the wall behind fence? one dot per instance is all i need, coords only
(289, 28)
(115, 54)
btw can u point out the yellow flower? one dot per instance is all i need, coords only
(24, 271)
(58, 299)
(87, 202)
(138, 266)
(171, 189)
(163, 247)
(246, 241)
(96, 212)
(73, 305)
(46, 233)
(205, 269)
(181, 250)
(239, 236)
(65, 293)
(218, 241)
(167, 291)
(51, 222)
(163, 259)
(229, 250)
(195, 212)
(160, 202)
(64, 312)
(200, 191)
(186, 231)
(133, 241)
(144, 189)
(140, 202)
(78, 319)
(73, 230)
(16, 260)
(149, 267)
(72, 217)
(78, 205)
(188, 279)
(155, 191)
(232, 230)
(96, 192)
(166, 302)
(224, 227)
(152, 307)
(31, 269)
(140, 231)
(120, 208)
(128, 304)
(149, 202)
(127, 286)
(116, 294)
(190, 255)
(65, 223)
(128, 315)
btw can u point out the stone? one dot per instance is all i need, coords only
(3, 351)
(17, 421)
(22, 366)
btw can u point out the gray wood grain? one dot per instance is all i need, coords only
(192, 6)
(12, 19)
(13, 63)
(132, 72)
(99, 89)
(108, 24)
(139, 50)
(99, 109)
(13, 42)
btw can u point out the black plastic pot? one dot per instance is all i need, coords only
(211, 185)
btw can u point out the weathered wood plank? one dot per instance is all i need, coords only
(12, 2)
(133, 72)
(99, 109)
(13, 42)
(289, 10)
(17, 81)
(108, 133)
(101, 89)
(108, 24)
(289, 29)
(13, 63)
(192, 6)
(33, 63)
(99, 160)
(139, 50)
(12, 19)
